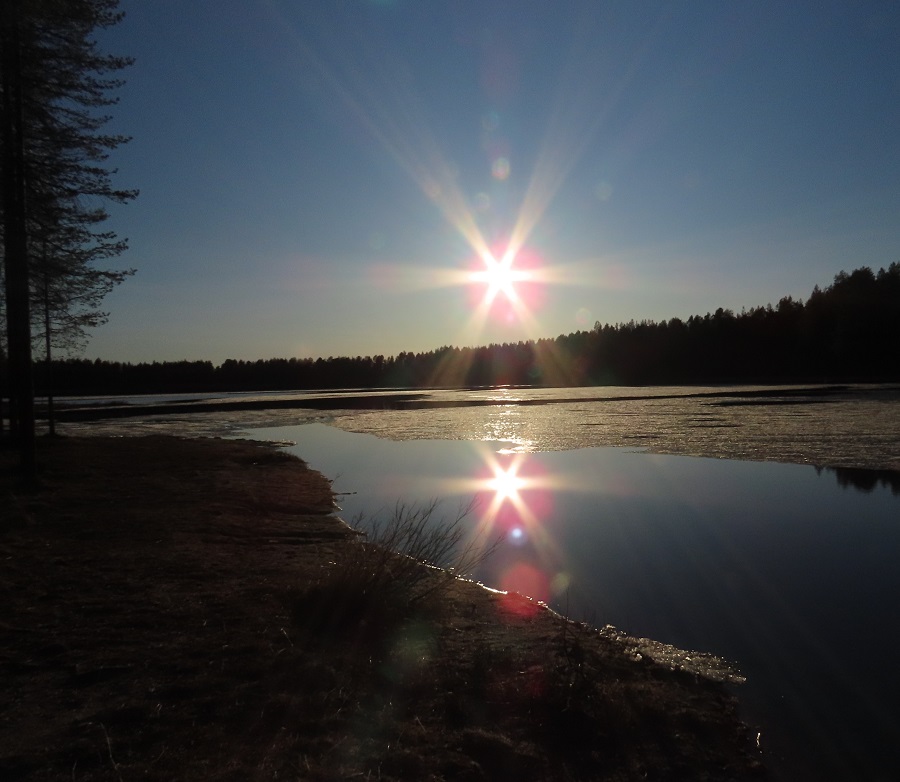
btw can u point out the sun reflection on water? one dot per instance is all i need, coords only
(507, 426)
(515, 501)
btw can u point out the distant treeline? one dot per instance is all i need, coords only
(850, 331)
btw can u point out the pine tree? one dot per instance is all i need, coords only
(67, 289)
(53, 81)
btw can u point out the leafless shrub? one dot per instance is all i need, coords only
(416, 553)
(392, 566)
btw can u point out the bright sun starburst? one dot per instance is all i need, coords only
(501, 277)
(505, 288)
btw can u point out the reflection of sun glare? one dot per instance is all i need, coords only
(515, 503)
(517, 499)
(506, 483)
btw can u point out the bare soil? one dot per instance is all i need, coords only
(162, 619)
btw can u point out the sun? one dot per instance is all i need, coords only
(500, 277)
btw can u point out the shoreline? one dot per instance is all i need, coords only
(153, 589)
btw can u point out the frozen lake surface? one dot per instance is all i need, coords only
(846, 426)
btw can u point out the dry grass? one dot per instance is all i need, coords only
(388, 571)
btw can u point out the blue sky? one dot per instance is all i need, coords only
(322, 178)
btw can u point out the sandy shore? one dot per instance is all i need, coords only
(158, 595)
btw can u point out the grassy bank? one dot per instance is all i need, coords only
(187, 609)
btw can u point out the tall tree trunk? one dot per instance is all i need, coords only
(15, 251)
(3, 370)
(48, 348)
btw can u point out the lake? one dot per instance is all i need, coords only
(609, 513)
(787, 570)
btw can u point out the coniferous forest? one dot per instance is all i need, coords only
(847, 332)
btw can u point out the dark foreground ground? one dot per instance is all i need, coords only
(186, 609)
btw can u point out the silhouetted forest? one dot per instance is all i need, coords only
(848, 332)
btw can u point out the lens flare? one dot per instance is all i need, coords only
(526, 580)
(500, 169)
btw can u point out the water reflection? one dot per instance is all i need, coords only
(865, 480)
(792, 577)
(514, 499)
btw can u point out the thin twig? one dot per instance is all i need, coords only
(109, 748)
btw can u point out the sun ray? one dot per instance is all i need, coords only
(376, 91)
(380, 99)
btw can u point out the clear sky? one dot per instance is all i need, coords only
(328, 177)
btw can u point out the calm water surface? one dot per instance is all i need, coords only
(788, 571)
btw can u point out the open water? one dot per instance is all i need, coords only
(788, 571)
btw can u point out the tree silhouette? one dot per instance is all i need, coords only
(53, 81)
(847, 332)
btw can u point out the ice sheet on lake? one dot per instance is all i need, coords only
(699, 663)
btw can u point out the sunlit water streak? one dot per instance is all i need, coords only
(844, 431)
(776, 567)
